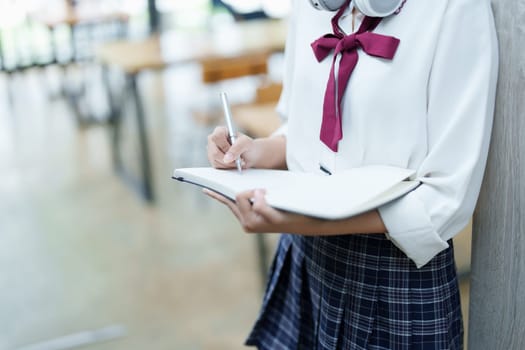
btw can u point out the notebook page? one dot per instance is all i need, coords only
(339, 195)
(231, 182)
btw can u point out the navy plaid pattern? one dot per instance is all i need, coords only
(357, 292)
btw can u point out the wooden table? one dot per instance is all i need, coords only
(260, 118)
(74, 17)
(229, 42)
(240, 49)
(89, 18)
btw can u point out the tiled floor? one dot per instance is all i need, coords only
(79, 251)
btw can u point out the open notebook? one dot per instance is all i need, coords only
(344, 194)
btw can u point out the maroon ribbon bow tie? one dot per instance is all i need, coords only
(373, 44)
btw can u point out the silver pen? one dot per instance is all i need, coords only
(229, 124)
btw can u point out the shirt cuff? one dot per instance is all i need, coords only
(282, 131)
(410, 229)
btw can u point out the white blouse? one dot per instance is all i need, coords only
(428, 109)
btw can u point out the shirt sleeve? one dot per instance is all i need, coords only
(461, 93)
(289, 57)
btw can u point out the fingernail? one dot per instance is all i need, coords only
(228, 158)
(258, 194)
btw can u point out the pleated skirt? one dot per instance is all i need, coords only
(357, 292)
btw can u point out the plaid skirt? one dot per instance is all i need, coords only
(357, 292)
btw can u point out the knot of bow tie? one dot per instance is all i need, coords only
(346, 47)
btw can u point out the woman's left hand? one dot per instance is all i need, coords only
(256, 216)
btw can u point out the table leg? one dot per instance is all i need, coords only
(144, 184)
(114, 116)
(147, 189)
(262, 252)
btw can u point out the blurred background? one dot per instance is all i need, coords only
(99, 102)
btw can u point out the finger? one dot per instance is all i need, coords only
(241, 145)
(243, 201)
(215, 157)
(221, 165)
(224, 200)
(215, 195)
(251, 221)
(219, 137)
(261, 207)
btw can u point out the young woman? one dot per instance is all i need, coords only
(412, 89)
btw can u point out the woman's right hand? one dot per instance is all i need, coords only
(222, 154)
